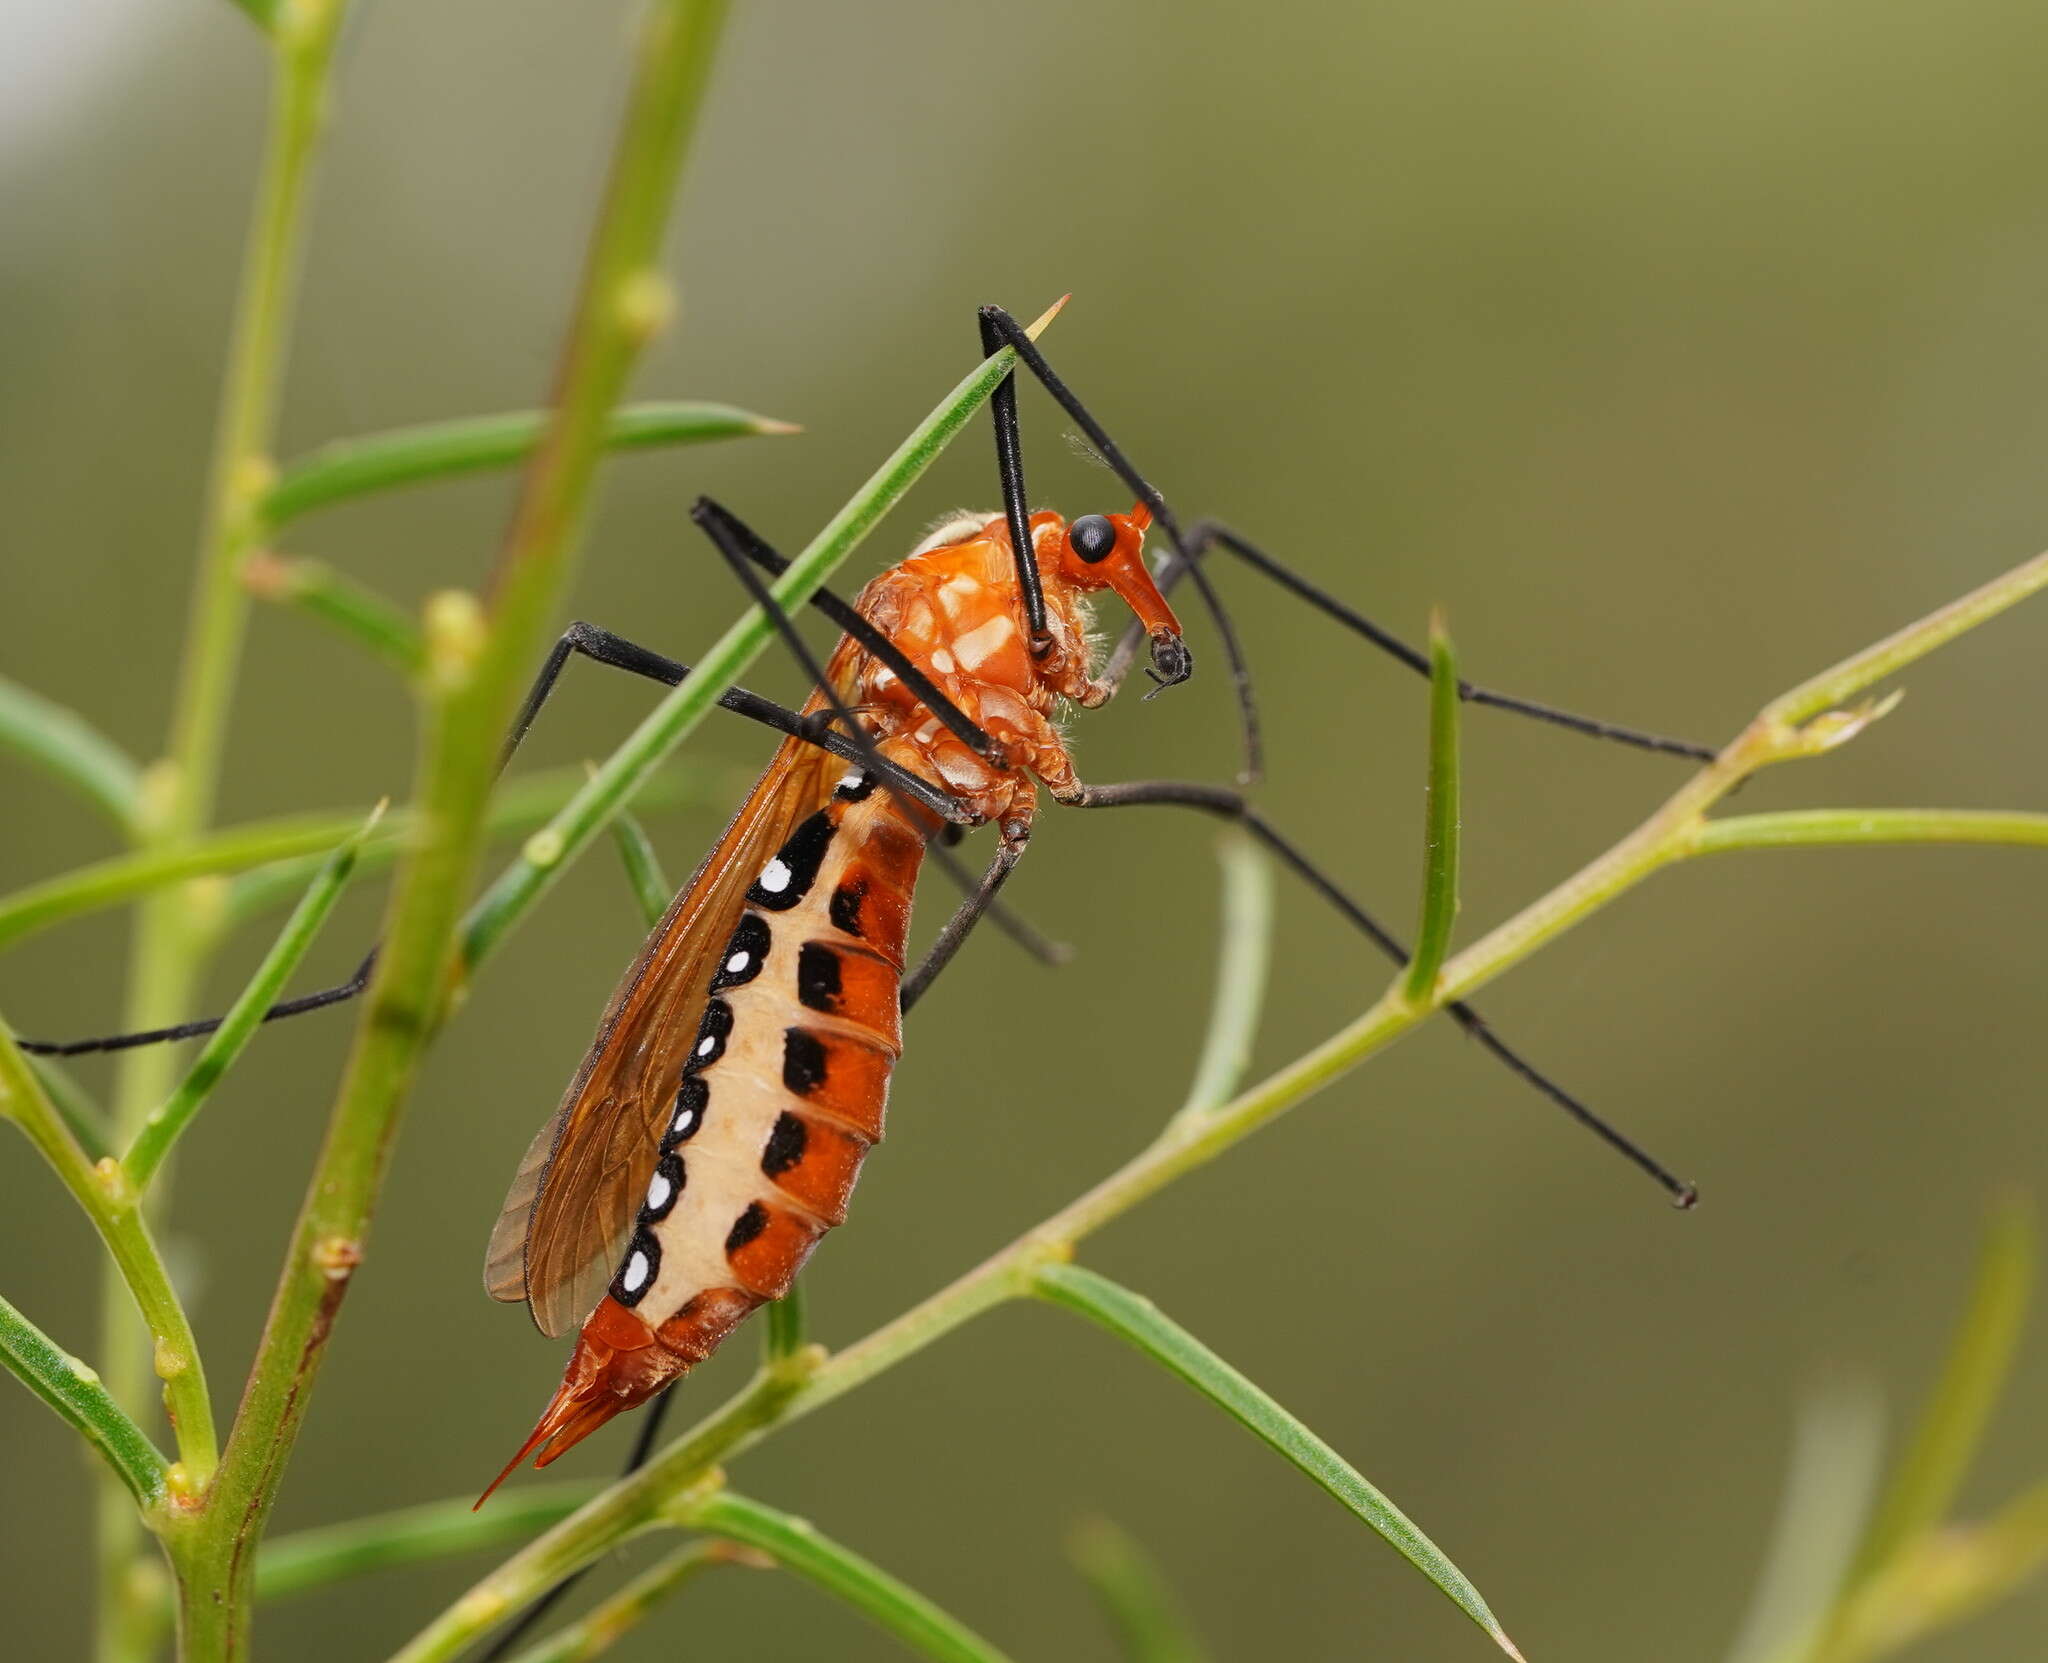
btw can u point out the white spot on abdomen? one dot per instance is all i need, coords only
(775, 876)
(635, 1277)
(736, 964)
(658, 1191)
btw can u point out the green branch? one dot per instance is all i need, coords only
(476, 664)
(172, 937)
(475, 444)
(75, 1392)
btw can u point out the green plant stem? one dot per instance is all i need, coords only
(770, 1401)
(473, 444)
(114, 1207)
(1842, 828)
(171, 939)
(75, 1392)
(598, 1630)
(475, 669)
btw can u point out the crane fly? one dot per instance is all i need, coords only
(739, 1075)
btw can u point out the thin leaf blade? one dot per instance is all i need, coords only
(164, 1127)
(75, 1392)
(1440, 867)
(475, 444)
(1136, 1319)
(66, 746)
(1141, 1609)
(800, 1548)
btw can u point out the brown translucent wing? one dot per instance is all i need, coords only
(570, 1206)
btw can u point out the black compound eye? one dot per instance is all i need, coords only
(1093, 537)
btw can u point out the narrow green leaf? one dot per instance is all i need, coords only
(168, 1122)
(1144, 1325)
(643, 867)
(796, 1545)
(612, 1619)
(314, 1558)
(442, 450)
(1952, 1426)
(342, 604)
(1440, 868)
(75, 1392)
(1243, 957)
(1837, 1453)
(517, 806)
(64, 744)
(1146, 1618)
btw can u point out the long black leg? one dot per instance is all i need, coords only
(618, 653)
(947, 942)
(1207, 534)
(1230, 805)
(1002, 408)
(729, 535)
(1188, 546)
(741, 537)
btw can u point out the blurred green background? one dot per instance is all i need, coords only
(1675, 349)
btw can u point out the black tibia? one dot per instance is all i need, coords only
(1231, 805)
(1002, 409)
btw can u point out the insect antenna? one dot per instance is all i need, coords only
(734, 539)
(1231, 805)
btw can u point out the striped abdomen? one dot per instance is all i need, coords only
(779, 1099)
